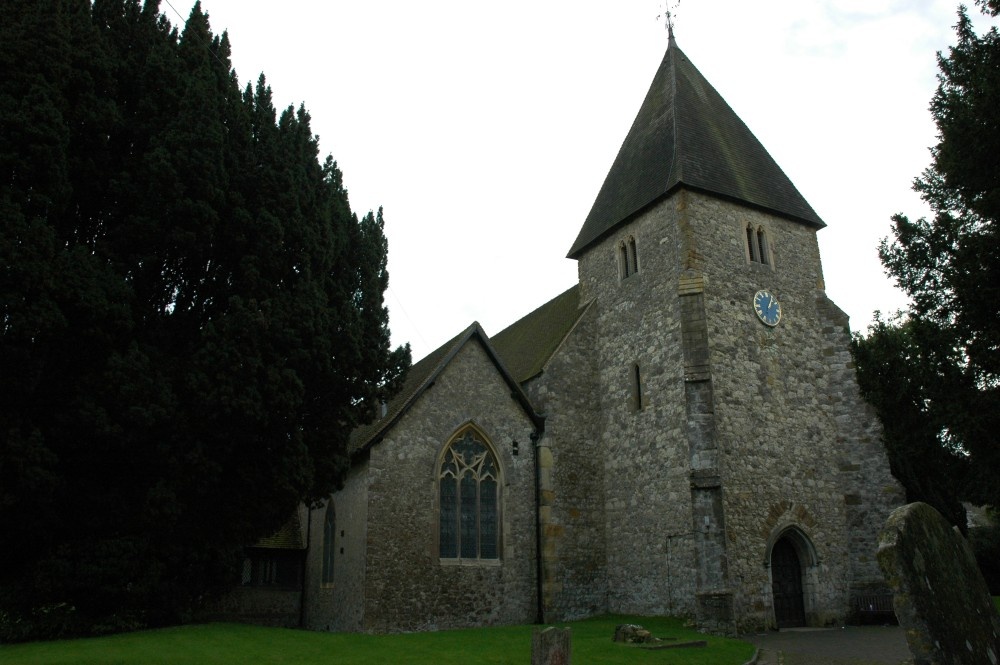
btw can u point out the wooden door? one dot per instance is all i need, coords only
(786, 583)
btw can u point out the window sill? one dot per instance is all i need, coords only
(486, 563)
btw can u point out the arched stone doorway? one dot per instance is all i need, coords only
(787, 584)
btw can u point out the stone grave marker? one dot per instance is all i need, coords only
(940, 597)
(550, 646)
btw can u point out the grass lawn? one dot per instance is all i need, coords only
(232, 644)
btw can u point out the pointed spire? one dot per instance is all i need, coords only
(686, 135)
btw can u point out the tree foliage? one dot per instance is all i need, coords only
(904, 367)
(946, 359)
(191, 316)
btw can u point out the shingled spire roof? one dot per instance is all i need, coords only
(686, 135)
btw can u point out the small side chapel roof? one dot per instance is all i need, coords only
(686, 135)
(422, 376)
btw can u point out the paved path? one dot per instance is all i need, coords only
(851, 645)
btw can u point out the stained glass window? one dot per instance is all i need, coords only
(469, 498)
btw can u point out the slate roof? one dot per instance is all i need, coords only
(422, 376)
(686, 135)
(288, 537)
(527, 344)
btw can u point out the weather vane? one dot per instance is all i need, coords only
(669, 13)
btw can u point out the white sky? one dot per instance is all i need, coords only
(486, 129)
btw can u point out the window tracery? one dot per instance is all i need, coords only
(469, 501)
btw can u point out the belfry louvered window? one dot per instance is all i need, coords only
(628, 258)
(757, 245)
(469, 500)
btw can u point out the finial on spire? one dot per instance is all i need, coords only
(670, 12)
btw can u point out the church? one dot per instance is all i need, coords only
(679, 433)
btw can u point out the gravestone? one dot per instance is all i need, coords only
(940, 597)
(550, 646)
(633, 633)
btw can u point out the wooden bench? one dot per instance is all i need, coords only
(874, 608)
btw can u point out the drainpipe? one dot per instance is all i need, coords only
(539, 567)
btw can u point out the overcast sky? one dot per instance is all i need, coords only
(485, 129)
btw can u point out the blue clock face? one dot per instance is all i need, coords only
(767, 307)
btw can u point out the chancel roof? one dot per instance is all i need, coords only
(686, 135)
(519, 352)
(422, 375)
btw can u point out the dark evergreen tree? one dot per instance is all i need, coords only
(949, 265)
(904, 369)
(192, 318)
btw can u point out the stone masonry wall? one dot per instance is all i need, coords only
(339, 606)
(407, 586)
(648, 509)
(870, 490)
(574, 555)
(758, 436)
(782, 433)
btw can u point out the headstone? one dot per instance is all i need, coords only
(550, 646)
(940, 597)
(633, 633)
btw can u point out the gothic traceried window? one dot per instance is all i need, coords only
(469, 501)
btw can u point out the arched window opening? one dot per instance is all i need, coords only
(752, 248)
(761, 245)
(329, 533)
(469, 498)
(628, 258)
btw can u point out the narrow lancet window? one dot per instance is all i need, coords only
(636, 388)
(761, 245)
(329, 533)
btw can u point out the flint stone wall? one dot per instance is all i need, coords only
(339, 606)
(763, 433)
(407, 586)
(574, 555)
(647, 503)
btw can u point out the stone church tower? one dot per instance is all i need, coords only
(679, 433)
(719, 460)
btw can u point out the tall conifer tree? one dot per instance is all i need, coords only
(947, 358)
(192, 318)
